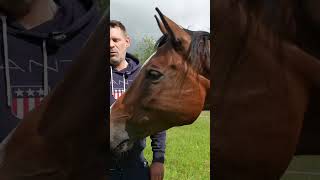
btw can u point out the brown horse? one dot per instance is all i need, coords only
(265, 72)
(65, 137)
(170, 89)
(308, 39)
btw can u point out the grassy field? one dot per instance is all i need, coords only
(188, 155)
(188, 151)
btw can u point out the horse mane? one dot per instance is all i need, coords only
(274, 18)
(270, 22)
(199, 50)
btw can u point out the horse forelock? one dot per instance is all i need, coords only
(161, 41)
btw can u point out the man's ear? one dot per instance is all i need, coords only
(128, 41)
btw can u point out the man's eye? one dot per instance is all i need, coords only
(154, 75)
(115, 40)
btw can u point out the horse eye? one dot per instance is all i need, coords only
(154, 75)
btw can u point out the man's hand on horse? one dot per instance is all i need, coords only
(157, 171)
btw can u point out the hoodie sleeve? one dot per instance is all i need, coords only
(158, 144)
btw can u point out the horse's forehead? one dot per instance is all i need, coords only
(166, 56)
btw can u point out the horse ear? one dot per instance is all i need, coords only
(179, 37)
(161, 26)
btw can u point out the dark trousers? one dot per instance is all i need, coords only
(130, 173)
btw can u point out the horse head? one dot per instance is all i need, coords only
(170, 89)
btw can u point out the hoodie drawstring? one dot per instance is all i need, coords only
(124, 83)
(7, 68)
(6, 59)
(111, 80)
(45, 68)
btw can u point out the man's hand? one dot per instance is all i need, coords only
(157, 171)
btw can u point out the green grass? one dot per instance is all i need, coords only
(188, 151)
(188, 155)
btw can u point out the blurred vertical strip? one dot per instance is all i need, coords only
(103, 4)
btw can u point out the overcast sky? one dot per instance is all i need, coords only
(138, 15)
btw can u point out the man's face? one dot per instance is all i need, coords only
(119, 43)
(15, 8)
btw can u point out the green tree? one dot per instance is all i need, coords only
(144, 49)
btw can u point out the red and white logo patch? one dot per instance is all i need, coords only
(117, 93)
(25, 98)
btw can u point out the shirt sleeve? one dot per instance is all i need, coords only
(158, 144)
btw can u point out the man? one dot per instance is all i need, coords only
(38, 40)
(124, 67)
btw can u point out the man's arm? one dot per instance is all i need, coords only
(158, 144)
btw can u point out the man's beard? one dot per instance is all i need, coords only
(114, 62)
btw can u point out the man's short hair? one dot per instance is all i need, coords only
(115, 23)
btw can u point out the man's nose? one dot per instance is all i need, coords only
(111, 44)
